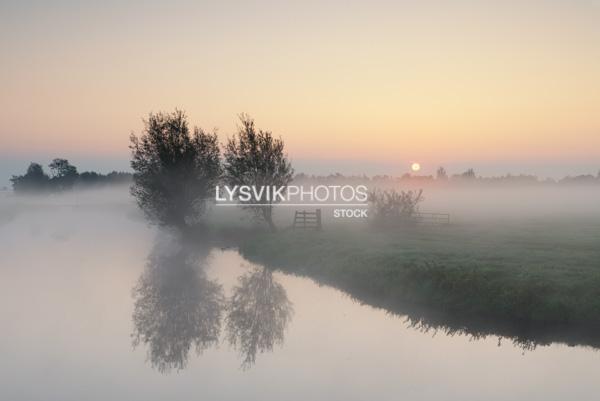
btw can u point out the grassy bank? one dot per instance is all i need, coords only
(534, 273)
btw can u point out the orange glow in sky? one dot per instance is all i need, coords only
(509, 82)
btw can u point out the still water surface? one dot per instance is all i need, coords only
(80, 285)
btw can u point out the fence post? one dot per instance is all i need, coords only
(319, 226)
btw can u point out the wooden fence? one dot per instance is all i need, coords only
(431, 218)
(308, 220)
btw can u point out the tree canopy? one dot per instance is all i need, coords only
(174, 170)
(255, 157)
(35, 179)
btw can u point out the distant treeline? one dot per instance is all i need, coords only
(63, 176)
(468, 177)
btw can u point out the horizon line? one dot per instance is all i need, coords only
(291, 204)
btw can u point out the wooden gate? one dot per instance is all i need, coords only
(308, 220)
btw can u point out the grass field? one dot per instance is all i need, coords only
(534, 274)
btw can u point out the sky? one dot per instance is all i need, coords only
(370, 86)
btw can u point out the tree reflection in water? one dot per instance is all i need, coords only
(257, 314)
(176, 307)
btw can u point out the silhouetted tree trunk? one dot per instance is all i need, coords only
(268, 217)
(254, 158)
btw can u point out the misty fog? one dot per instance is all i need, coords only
(465, 204)
(70, 264)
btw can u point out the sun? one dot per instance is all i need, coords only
(415, 167)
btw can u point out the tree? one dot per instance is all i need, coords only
(90, 178)
(441, 174)
(174, 171)
(62, 168)
(64, 174)
(35, 179)
(392, 206)
(177, 308)
(258, 313)
(470, 173)
(254, 158)
(467, 175)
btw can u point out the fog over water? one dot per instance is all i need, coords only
(70, 265)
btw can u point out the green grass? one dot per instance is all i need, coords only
(533, 274)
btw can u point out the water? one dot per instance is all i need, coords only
(67, 302)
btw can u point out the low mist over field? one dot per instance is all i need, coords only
(514, 202)
(463, 203)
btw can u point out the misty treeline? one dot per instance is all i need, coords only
(442, 177)
(176, 168)
(63, 176)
